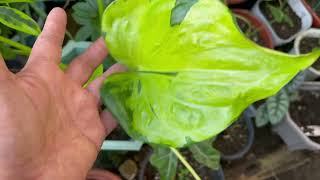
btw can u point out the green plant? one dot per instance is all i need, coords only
(88, 14)
(17, 15)
(166, 161)
(276, 107)
(191, 73)
(279, 12)
(316, 6)
(249, 29)
(192, 80)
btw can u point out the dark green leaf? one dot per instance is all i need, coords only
(262, 117)
(276, 13)
(18, 20)
(278, 106)
(165, 161)
(15, 1)
(205, 154)
(180, 11)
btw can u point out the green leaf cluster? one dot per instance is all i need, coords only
(279, 13)
(86, 14)
(15, 15)
(166, 161)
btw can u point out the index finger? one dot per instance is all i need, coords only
(48, 46)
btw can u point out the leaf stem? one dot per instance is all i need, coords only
(185, 163)
(101, 8)
(25, 49)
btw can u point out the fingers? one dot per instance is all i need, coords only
(48, 46)
(84, 65)
(108, 121)
(94, 87)
(3, 67)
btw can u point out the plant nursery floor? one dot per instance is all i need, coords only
(269, 159)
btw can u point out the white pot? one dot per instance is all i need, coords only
(298, 7)
(293, 136)
(312, 73)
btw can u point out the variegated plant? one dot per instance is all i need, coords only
(19, 21)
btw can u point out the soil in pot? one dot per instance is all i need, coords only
(232, 139)
(266, 142)
(285, 26)
(250, 31)
(307, 45)
(118, 134)
(305, 111)
(315, 5)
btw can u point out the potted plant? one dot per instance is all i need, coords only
(300, 127)
(161, 162)
(284, 18)
(313, 7)
(305, 43)
(236, 141)
(253, 28)
(277, 111)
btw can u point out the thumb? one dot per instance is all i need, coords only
(3, 67)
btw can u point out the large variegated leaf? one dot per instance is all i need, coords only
(187, 81)
(18, 20)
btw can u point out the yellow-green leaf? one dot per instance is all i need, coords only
(188, 82)
(18, 20)
(16, 1)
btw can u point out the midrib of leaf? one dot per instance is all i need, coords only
(170, 164)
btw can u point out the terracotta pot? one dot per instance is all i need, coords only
(257, 23)
(235, 1)
(97, 174)
(316, 18)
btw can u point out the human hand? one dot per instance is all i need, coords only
(51, 127)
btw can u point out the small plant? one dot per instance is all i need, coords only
(250, 30)
(166, 160)
(279, 12)
(18, 17)
(88, 14)
(316, 6)
(276, 107)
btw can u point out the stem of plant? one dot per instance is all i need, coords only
(101, 8)
(19, 46)
(185, 163)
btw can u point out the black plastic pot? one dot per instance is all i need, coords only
(248, 115)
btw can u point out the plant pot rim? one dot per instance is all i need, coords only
(316, 18)
(310, 86)
(308, 33)
(262, 28)
(299, 9)
(293, 136)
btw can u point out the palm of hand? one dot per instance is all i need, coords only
(50, 126)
